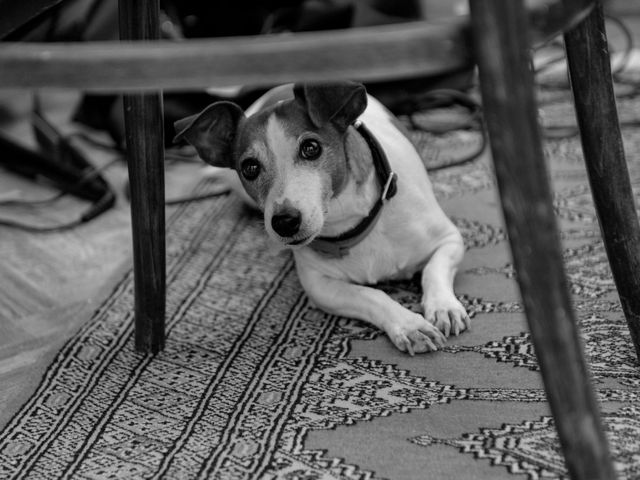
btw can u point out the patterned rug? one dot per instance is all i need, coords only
(255, 383)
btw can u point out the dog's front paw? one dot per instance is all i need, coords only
(411, 333)
(446, 313)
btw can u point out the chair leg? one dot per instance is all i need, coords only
(500, 37)
(590, 71)
(139, 20)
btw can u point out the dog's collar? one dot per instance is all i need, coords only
(339, 246)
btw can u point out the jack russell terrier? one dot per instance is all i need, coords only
(342, 186)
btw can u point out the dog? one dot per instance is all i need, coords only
(341, 185)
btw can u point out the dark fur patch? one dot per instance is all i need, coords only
(295, 121)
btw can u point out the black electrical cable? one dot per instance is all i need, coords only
(616, 70)
(617, 73)
(443, 98)
(433, 99)
(104, 202)
(93, 173)
(97, 208)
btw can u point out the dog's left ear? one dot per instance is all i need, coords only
(340, 103)
(212, 132)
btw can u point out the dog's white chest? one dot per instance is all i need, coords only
(380, 257)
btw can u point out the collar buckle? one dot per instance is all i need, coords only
(386, 191)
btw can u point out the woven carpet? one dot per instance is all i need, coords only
(255, 383)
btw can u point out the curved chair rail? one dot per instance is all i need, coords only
(367, 54)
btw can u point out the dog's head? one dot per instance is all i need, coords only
(290, 156)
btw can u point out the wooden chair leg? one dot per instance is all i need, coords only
(139, 20)
(590, 71)
(501, 41)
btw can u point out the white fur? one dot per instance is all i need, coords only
(299, 186)
(413, 234)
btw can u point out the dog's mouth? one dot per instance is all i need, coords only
(300, 241)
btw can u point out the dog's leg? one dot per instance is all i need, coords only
(441, 307)
(408, 331)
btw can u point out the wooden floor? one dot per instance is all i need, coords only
(49, 283)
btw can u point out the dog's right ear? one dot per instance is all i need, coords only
(338, 102)
(211, 132)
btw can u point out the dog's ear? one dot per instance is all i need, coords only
(211, 132)
(340, 103)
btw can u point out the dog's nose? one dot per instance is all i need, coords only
(287, 222)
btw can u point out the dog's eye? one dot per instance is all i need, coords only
(310, 149)
(250, 168)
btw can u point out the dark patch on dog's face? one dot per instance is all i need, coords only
(249, 145)
(332, 158)
(275, 138)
